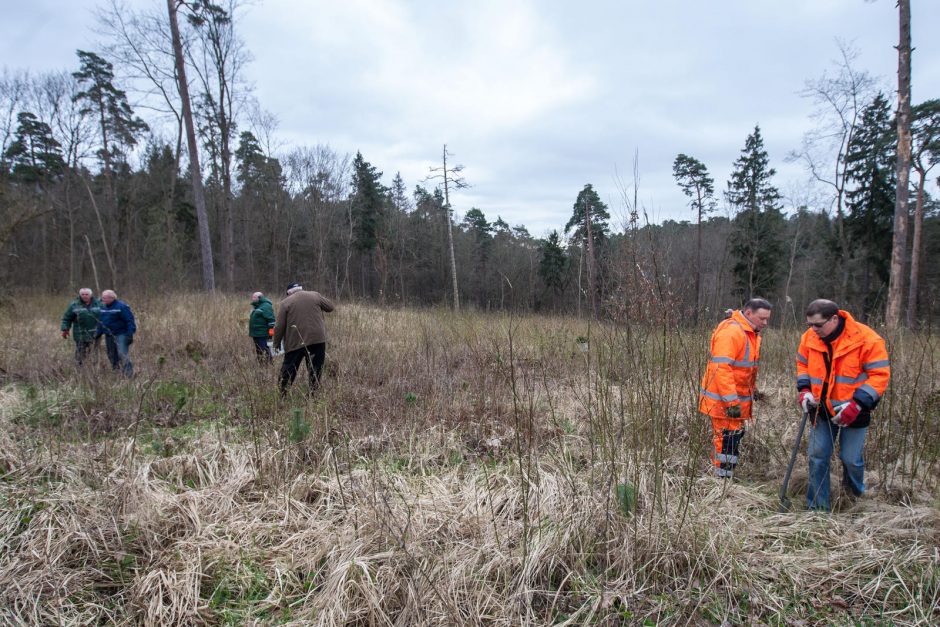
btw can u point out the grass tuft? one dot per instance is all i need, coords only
(452, 470)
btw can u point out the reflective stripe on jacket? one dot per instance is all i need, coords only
(732, 370)
(860, 367)
(82, 319)
(116, 319)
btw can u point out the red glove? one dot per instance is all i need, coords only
(847, 414)
(271, 332)
(65, 334)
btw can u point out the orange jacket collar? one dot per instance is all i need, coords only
(850, 337)
(738, 316)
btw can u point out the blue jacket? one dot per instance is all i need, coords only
(116, 319)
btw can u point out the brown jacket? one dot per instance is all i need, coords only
(300, 320)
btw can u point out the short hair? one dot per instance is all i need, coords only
(110, 293)
(823, 307)
(758, 303)
(85, 289)
(256, 295)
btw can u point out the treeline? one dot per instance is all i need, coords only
(91, 193)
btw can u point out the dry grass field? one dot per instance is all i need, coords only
(470, 469)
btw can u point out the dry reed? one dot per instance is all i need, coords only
(453, 470)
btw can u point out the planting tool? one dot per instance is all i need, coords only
(785, 503)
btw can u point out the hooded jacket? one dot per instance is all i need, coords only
(859, 368)
(731, 375)
(82, 319)
(262, 317)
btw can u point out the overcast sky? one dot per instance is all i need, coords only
(536, 98)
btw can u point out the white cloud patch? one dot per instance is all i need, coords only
(535, 97)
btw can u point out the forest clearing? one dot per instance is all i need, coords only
(454, 469)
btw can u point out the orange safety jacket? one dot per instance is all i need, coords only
(731, 375)
(860, 367)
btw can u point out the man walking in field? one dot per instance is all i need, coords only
(730, 380)
(300, 325)
(118, 327)
(261, 325)
(842, 371)
(81, 320)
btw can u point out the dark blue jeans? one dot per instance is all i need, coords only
(118, 347)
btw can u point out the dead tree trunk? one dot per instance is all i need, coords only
(899, 244)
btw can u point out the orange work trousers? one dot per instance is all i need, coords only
(726, 437)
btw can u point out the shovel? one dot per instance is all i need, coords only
(785, 503)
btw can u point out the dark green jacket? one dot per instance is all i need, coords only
(82, 319)
(262, 318)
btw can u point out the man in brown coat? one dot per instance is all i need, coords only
(300, 326)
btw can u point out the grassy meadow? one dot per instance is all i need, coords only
(454, 469)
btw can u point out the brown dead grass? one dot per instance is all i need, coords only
(458, 470)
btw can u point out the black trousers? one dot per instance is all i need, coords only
(82, 349)
(314, 355)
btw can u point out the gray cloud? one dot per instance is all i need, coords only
(536, 98)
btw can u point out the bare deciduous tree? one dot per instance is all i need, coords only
(840, 98)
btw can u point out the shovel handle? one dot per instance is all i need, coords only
(793, 454)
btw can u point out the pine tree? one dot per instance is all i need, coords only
(589, 221)
(117, 123)
(34, 155)
(871, 197)
(756, 244)
(695, 182)
(118, 128)
(553, 264)
(368, 204)
(925, 130)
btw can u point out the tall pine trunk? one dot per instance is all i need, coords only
(450, 235)
(899, 244)
(590, 261)
(199, 197)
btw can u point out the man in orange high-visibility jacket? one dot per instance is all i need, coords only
(842, 371)
(730, 381)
